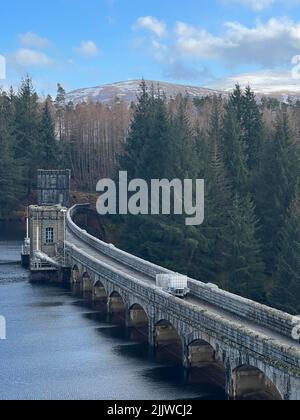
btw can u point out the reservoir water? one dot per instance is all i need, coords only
(59, 347)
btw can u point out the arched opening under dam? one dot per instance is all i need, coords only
(75, 275)
(75, 281)
(168, 343)
(99, 292)
(250, 383)
(99, 296)
(204, 368)
(138, 323)
(87, 286)
(116, 308)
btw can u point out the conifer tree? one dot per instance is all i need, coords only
(60, 105)
(183, 144)
(61, 96)
(27, 130)
(10, 168)
(235, 150)
(211, 235)
(244, 264)
(209, 262)
(129, 160)
(215, 123)
(157, 154)
(202, 150)
(286, 289)
(236, 101)
(49, 151)
(243, 136)
(252, 129)
(276, 189)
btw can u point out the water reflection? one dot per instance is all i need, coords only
(166, 358)
(61, 346)
(12, 231)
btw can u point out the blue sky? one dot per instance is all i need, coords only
(82, 43)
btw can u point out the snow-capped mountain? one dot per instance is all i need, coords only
(127, 92)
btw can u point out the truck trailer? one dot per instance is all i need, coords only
(174, 284)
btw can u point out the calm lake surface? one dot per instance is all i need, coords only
(58, 347)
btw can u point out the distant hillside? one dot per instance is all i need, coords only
(127, 91)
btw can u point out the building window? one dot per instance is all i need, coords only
(49, 236)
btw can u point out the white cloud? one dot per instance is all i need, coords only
(266, 81)
(273, 43)
(269, 44)
(27, 57)
(157, 27)
(259, 5)
(174, 68)
(30, 39)
(256, 5)
(88, 49)
(198, 43)
(160, 51)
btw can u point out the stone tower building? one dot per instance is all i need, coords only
(53, 187)
(47, 225)
(47, 230)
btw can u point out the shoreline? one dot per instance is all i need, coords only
(19, 215)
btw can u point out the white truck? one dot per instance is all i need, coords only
(175, 284)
